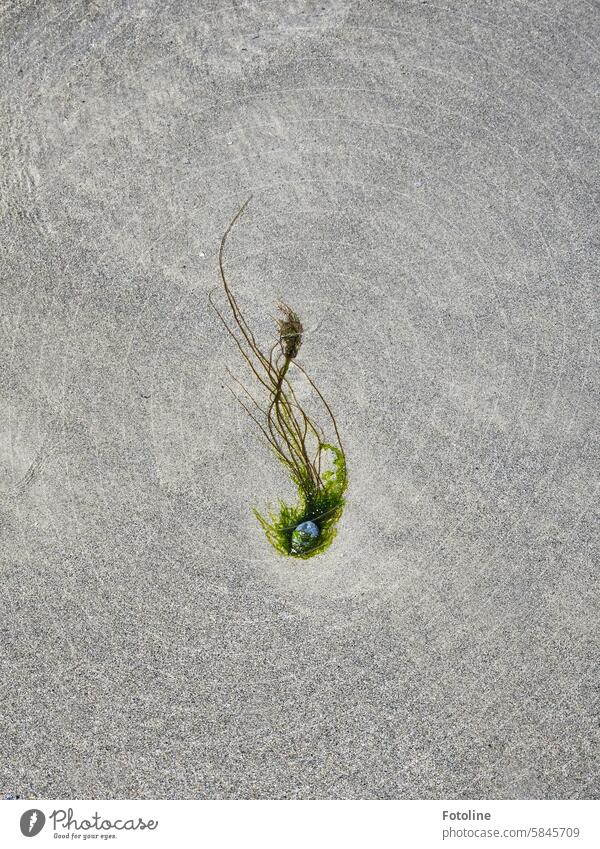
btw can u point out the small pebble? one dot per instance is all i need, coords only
(304, 536)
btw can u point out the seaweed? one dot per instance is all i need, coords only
(316, 463)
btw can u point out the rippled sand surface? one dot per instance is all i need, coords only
(425, 195)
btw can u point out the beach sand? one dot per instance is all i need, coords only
(424, 182)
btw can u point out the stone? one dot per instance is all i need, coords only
(304, 536)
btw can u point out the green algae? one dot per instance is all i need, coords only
(315, 461)
(324, 507)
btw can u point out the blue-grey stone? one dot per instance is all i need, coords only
(304, 536)
(309, 528)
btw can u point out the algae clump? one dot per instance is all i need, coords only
(316, 463)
